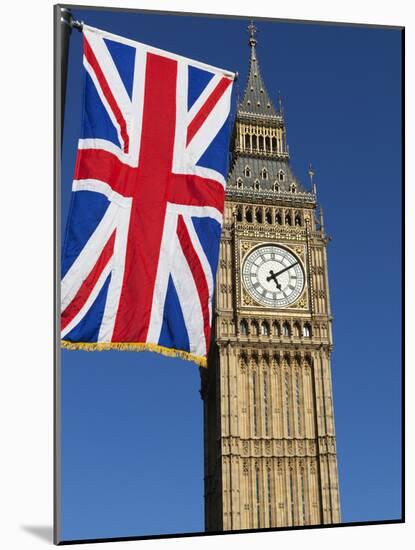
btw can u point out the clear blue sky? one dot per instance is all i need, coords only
(132, 424)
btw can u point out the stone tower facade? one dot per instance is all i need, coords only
(270, 449)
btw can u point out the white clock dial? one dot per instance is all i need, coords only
(273, 276)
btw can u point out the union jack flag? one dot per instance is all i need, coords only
(142, 241)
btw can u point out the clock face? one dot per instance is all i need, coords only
(273, 276)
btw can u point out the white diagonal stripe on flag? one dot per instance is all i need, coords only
(163, 273)
(188, 297)
(89, 255)
(207, 270)
(112, 75)
(210, 127)
(201, 100)
(117, 276)
(91, 299)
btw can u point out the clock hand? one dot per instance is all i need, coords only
(283, 270)
(273, 276)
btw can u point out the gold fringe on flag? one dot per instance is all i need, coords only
(134, 346)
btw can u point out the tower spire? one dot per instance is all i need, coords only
(256, 99)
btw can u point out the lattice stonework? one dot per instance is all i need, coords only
(270, 450)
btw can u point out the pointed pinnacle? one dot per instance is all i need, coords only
(310, 172)
(252, 31)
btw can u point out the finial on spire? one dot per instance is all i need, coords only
(311, 176)
(252, 31)
(281, 107)
(321, 220)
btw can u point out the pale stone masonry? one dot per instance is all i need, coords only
(270, 448)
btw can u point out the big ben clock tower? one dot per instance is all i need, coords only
(270, 450)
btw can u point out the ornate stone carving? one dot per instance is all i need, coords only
(300, 251)
(300, 304)
(247, 300)
(319, 293)
(246, 246)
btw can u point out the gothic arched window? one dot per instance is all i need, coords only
(276, 186)
(264, 328)
(293, 188)
(274, 143)
(307, 331)
(268, 216)
(239, 183)
(278, 218)
(256, 185)
(258, 215)
(247, 141)
(288, 220)
(281, 175)
(264, 174)
(248, 215)
(286, 331)
(297, 330)
(238, 214)
(298, 219)
(267, 144)
(243, 327)
(276, 328)
(261, 143)
(254, 142)
(247, 172)
(254, 328)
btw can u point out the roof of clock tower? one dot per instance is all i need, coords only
(256, 99)
(260, 140)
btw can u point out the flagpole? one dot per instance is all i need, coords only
(61, 46)
(64, 34)
(63, 25)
